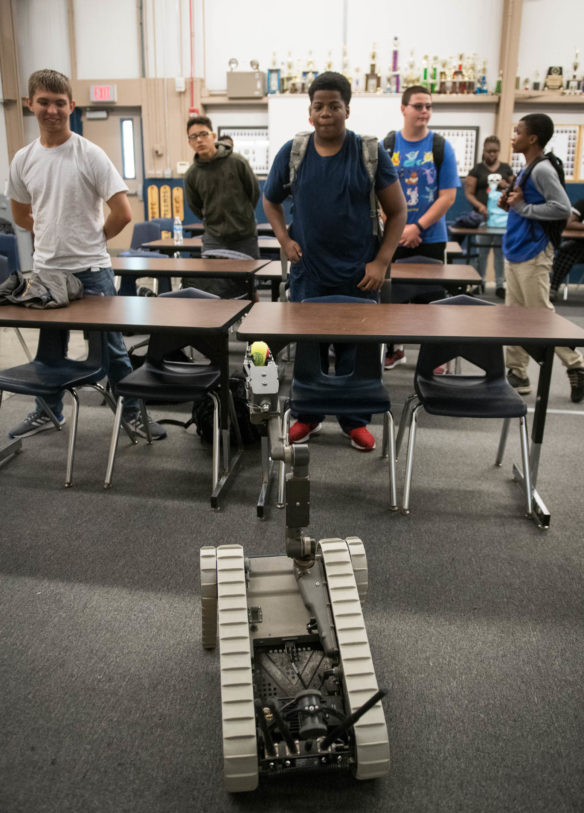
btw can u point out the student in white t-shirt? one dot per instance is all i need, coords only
(57, 185)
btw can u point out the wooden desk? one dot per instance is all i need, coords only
(448, 275)
(488, 231)
(194, 244)
(199, 228)
(537, 329)
(189, 267)
(207, 319)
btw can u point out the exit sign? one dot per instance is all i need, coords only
(103, 93)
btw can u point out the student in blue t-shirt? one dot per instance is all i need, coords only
(331, 245)
(527, 248)
(429, 193)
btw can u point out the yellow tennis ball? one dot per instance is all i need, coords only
(260, 353)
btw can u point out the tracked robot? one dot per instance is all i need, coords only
(298, 686)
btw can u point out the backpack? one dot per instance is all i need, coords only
(202, 415)
(369, 144)
(438, 142)
(552, 228)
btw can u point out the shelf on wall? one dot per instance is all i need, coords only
(223, 99)
(547, 97)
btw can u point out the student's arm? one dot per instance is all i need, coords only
(275, 214)
(250, 182)
(194, 200)
(395, 209)
(470, 188)
(576, 219)
(119, 216)
(22, 214)
(557, 203)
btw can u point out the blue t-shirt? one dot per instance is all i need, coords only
(331, 218)
(525, 237)
(419, 179)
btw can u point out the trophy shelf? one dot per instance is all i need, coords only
(547, 97)
(221, 99)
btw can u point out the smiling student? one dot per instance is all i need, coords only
(331, 244)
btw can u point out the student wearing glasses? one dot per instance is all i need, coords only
(430, 190)
(222, 190)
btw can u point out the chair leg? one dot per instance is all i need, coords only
(502, 441)
(281, 500)
(113, 443)
(404, 420)
(72, 437)
(49, 412)
(526, 467)
(389, 431)
(410, 460)
(110, 401)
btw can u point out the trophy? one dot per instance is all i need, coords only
(554, 79)
(373, 79)
(274, 76)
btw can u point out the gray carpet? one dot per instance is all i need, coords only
(475, 617)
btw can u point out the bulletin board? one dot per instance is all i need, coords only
(464, 141)
(253, 143)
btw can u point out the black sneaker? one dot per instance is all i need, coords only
(134, 419)
(522, 385)
(553, 294)
(35, 422)
(500, 292)
(576, 376)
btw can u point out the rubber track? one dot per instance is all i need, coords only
(208, 568)
(240, 759)
(359, 560)
(372, 745)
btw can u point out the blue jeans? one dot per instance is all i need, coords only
(117, 363)
(484, 243)
(304, 285)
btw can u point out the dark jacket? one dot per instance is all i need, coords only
(223, 192)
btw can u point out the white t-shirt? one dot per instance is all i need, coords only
(66, 187)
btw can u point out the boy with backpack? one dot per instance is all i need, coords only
(538, 208)
(333, 245)
(428, 175)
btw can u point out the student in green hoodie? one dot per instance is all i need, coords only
(222, 190)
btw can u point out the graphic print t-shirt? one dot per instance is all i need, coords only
(414, 161)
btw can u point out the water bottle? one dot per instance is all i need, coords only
(178, 232)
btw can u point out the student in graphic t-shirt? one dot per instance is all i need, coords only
(429, 191)
(331, 245)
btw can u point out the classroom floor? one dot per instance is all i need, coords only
(474, 615)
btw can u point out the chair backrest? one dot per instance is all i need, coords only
(164, 223)
(363, 358)
(224, 254)
(53, 344)
(9, 249)
(160, 345)
(4, 268)
(418, 259)
(489, 357)
(144, 233)
(143, 252)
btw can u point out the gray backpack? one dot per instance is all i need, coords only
(369, 145)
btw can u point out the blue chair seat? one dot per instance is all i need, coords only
(468, 396)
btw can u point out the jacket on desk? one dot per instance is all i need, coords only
(45, 289)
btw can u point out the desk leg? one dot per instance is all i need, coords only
(541, 513)
(13, 448)
(228, 461)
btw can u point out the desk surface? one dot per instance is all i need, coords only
(149, 313)
(288, 321)
(407, 272)
(167, 244)
(492, 230)
(199, 228)
(182, 267)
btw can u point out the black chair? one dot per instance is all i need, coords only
(463, 396)
(51, 372)
(315, 391)
(144, 233)
(162, 380)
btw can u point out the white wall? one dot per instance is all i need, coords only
(106, 37)
(550, 34)
(42, 37)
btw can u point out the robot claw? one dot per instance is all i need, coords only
(298, 686)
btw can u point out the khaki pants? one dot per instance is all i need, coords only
(528, 284)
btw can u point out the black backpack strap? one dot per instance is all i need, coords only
(438, 143)
(389, 142)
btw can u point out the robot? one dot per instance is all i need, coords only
(298, 686)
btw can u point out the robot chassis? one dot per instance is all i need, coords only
(298, 686)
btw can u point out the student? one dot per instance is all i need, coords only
(223, 191)
(527, 249)
(331, 244)
(570, 252)
(429, 190)
(476, 189)
(57, 185)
